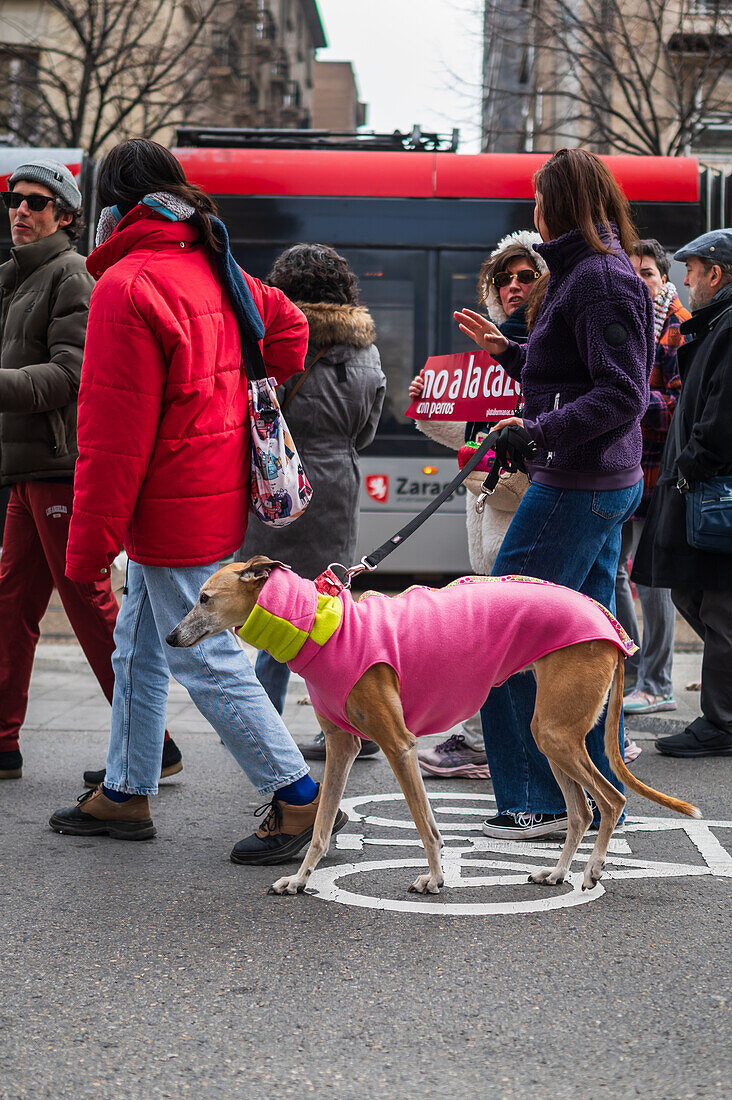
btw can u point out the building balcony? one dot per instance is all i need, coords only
(280, 71)
(703, 27)
(265, 34)
(247, 10)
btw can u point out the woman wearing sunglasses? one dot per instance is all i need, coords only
(584, 373)
(505, 283)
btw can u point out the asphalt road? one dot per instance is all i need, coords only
(161, 969)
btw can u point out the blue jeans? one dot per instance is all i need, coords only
(217, 675)
(274, 678)
(570, 537)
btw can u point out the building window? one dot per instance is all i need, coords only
(713, 7)
(225, 53)
(293, 96)
(18, 101)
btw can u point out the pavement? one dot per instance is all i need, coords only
(161, 969)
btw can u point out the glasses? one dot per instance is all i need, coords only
(525, 276)
(36, 203)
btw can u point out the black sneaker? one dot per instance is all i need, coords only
(315, 749)
(11, 764)
(519, 826)
(172, 763)
(701, 738)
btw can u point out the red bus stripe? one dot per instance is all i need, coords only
(417, 175)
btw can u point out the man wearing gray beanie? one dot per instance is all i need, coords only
(45, 301)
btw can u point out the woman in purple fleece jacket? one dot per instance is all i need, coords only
(584, 374)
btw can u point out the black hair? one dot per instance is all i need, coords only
(75, 227)
(140, 167)
(654, 250)
(314, 273)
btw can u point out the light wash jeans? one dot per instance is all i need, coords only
(654, 660)
(274, 678)
(570, 537)
(217, 675)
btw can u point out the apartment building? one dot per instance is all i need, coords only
(93, 72)
(645, 76)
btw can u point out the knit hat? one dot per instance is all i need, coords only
(53, 175)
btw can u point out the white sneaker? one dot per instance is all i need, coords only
(519, 826)
(642, 702)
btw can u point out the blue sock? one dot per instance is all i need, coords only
(299, 793)
(115, 796)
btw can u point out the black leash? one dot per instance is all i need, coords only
(370, 561)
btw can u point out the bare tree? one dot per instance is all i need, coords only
(98, 70)
(626, 76)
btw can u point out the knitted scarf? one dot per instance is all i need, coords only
(177, 210)
(661, 306)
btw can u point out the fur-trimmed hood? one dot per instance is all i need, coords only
(336, 324)
(489, 294)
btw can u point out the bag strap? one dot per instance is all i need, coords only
(301, 379)
(252, 358)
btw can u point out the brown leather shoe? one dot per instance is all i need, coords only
(128, 820)
(284, 831)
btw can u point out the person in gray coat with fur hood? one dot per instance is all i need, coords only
(332, 410)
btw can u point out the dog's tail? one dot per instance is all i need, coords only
(612, 748)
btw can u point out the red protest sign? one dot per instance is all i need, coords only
(467, 386)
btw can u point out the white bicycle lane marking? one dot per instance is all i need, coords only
(464, 840)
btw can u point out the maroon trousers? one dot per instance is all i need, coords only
(33, 560)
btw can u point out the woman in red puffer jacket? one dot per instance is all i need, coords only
(163, 427)
(164, 456)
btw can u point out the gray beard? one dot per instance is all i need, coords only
(698, 299)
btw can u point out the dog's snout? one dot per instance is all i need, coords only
(172, 638)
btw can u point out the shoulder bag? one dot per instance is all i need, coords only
(709, 514)
(279, 490)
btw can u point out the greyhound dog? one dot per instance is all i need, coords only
(388, 669)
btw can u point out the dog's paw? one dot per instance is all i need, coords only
(426, 884)
(593, 874)
(550, 876)
(291, 885)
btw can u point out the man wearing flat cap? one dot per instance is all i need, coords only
(45, 291)
(698, 448)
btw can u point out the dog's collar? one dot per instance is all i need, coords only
(281, 638)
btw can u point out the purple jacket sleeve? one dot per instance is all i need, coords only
(512, 359)
(613, 342)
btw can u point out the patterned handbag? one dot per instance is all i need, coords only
(279, 490)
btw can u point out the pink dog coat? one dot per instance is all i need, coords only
(448, 646)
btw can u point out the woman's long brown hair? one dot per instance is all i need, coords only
(576, 190)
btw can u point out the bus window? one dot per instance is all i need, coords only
(393, 286)
(458, 278)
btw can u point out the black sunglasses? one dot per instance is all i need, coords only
(524, 276)
(36, 203)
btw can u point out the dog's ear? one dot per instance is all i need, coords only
(259, 568)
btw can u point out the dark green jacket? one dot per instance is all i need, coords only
(45, 290)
